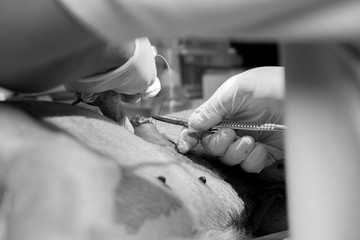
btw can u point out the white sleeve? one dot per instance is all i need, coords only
(119, 20)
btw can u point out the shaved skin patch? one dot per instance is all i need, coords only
(140, 202)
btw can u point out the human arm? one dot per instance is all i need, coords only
(35, 34)
(44, 46)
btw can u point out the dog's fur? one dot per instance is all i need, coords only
(70, 173)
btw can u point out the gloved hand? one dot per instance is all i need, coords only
(136, 79)
(253, 96)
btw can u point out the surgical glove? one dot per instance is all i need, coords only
(137, 77)
(252, 96)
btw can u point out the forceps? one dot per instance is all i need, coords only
(226, 124)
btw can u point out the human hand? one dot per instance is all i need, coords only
(135, 79)
(253, 96)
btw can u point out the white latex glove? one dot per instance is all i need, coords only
(136, 78)
(252, 96)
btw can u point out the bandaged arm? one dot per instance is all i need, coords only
(136, 76)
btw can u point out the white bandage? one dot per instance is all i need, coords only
(136, 76)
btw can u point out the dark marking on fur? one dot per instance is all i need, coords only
(203, 179)
(162, 179)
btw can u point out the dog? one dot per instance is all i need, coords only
(71, 173)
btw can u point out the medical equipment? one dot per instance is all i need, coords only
(226, 124)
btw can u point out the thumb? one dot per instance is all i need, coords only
(187, 140)
(206, 116)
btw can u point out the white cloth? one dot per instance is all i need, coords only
(136, 76)
(117, 20)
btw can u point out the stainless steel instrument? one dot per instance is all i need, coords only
(226, 124)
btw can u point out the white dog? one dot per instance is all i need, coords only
(70, 173)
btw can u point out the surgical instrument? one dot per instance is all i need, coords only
(226, 124)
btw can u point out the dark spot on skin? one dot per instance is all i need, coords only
(246, 152)
(202, 179)
(162, 179)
